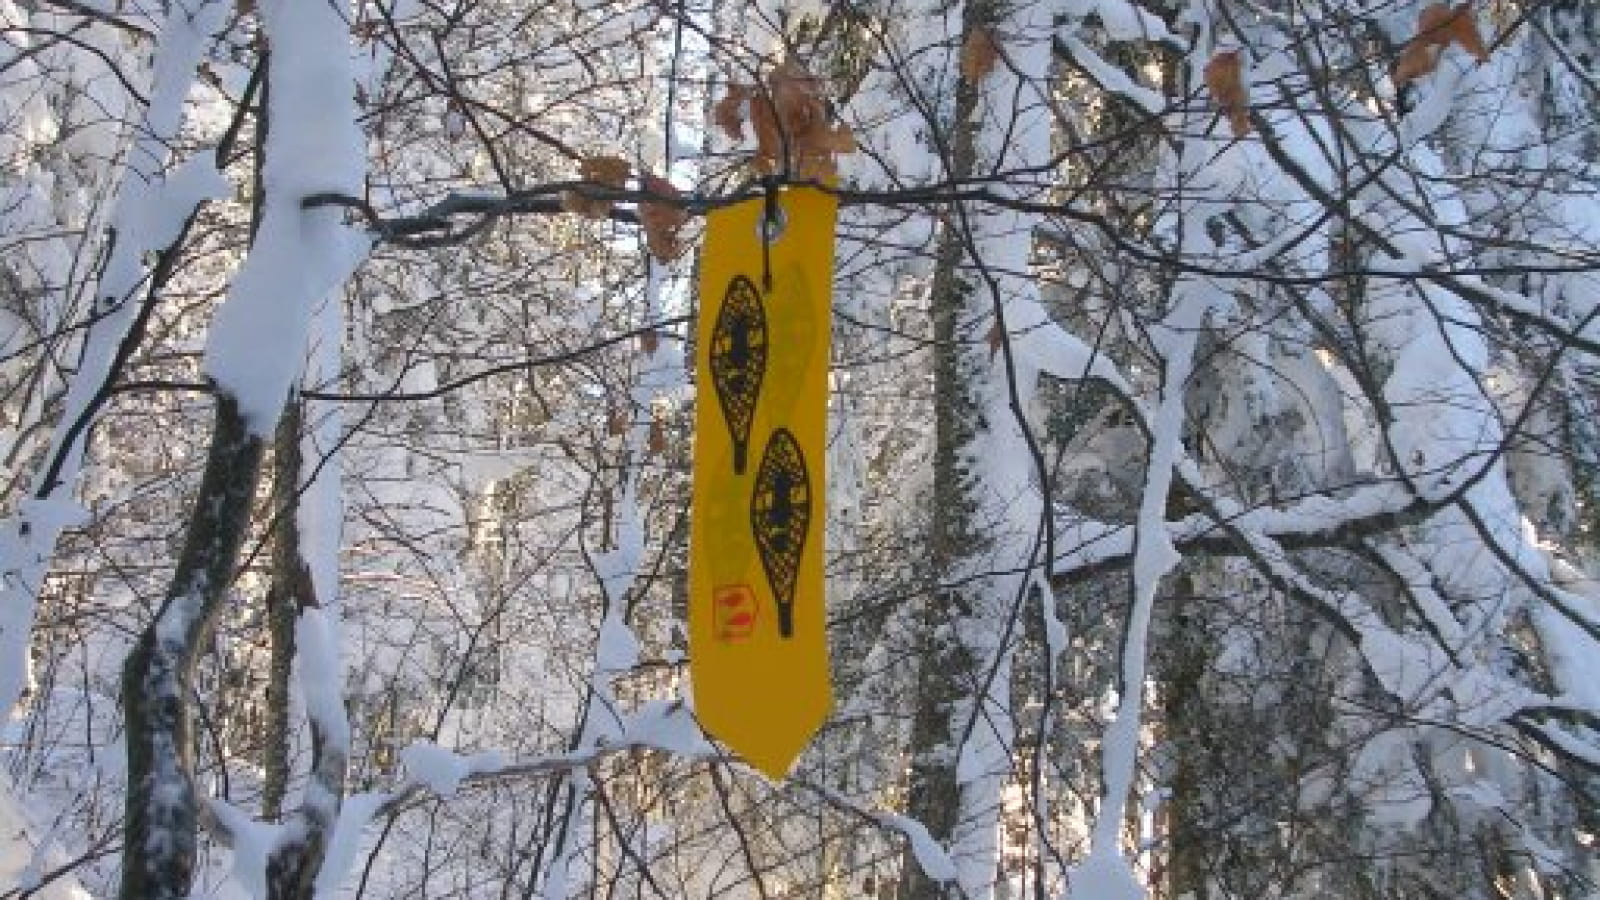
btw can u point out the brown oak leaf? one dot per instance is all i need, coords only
(795, 111)
(790, 121)
(1438, 26)
(1463, 28)
(979, 53)
(728, 114)
(661, 221)
(658, 436)
(1415, 60)
(605, 171)
(611, 171)
(1224, 76)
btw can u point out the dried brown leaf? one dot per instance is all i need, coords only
(1438, 26)
(839, 140)
(576, 202)
(790, 120)
(798, 96)
(769, 133)
(1462, 27)
(1431, 24)
(658, 436)
(1416, 59)
(661, 221)
(605, 171)
(979, 53)
(588, 207)
(610, 171)
(728, 114)
(817, 168)
(1224, 76)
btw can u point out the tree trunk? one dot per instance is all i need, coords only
(159, 840)
(293, 865)
(288, 577)
(945, 674)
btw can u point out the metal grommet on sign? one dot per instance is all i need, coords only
(774, 221)
(769, 228)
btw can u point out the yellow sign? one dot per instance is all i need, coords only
(757, 646)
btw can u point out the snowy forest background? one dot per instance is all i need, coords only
(1212, 481)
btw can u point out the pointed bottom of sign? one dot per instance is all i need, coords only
(771, 738)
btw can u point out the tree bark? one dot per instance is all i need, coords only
(293, 865)
(288, 582)
(159, 839)
(945, 674)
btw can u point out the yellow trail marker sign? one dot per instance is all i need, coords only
(758, 650)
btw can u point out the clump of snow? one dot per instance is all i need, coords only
(321, 673)
(443, 770)
(1386, 777)
(184, 36)
(1114, 79)
(933, 859)
(1040, 344)
(1103, 875)
(667, 725)
(158, 218)
(252, 842)
(1122, 20)
(345, 843)
(258, 340)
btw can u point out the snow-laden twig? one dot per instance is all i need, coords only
(1105, 874)
(935, 860)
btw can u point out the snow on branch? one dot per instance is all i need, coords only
(258, 339)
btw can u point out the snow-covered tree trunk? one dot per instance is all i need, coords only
(946, 671)
(288, 591)
(988, 542)
(255, 351)
(305, 579)
(160, 834)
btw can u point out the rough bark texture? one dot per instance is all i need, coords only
(293, 865)
(1182, 719)
(945, 676)
(287, 574)
(160, 832)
